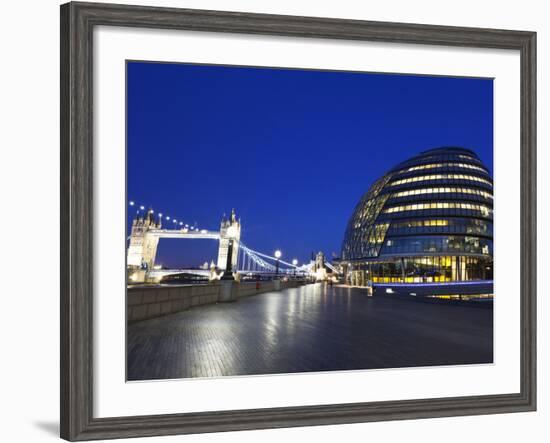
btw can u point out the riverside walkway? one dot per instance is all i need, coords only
(306, 329)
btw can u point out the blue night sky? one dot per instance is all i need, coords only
(291, 150)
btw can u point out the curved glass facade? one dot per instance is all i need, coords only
(429, 219)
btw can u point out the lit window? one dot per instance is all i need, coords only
(440, 177)
(442, 190)
(443, 165)
(439, 205)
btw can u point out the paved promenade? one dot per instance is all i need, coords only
(311, 328)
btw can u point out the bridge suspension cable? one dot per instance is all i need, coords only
(251, 258)
(260, 254)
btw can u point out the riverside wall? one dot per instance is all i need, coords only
(144, 302)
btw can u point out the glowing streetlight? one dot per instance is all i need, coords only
(277, 255)
(167, 218)
(142, 207)
(131, 203)
(295, 263)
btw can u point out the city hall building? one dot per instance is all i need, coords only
(429, 219)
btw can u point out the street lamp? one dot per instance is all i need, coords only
(231, 235)
(295, 263)
(277, 256)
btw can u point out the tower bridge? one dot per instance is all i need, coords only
(147, 230)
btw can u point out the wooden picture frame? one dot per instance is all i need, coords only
(77, 218)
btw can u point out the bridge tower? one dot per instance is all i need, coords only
(228, 227)
(319, 267)
(143, 247)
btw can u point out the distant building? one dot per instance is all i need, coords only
(319, 267)
(429, 219)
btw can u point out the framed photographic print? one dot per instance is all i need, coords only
(272, 221)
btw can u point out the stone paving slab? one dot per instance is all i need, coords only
(307, 329)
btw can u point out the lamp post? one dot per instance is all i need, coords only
(277, 256)
(228, 273)
(295, 263)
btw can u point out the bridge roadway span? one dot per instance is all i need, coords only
(310, 328)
